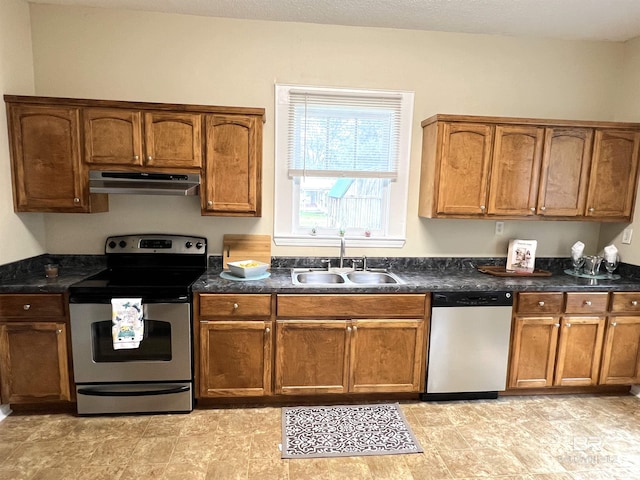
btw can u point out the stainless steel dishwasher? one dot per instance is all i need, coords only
(468, 345)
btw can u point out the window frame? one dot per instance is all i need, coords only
(287, 189)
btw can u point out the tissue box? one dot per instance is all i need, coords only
(248, 268)
(521, 256)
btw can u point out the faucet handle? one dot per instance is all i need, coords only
(328, 262)
(355, 262)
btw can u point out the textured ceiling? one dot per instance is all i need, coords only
(613, 20)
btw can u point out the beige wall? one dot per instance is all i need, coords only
(110, 54)
(20, 235)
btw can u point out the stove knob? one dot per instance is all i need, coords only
(122, 244)
(188, 244)
(199, 245)
(112, 244)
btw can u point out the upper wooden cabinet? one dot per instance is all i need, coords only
(499, 167)
(233, 167)
(48, 175)
(141, 138)
(56, 141)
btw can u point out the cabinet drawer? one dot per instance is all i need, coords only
(36, 305)
(235, 305)
(587, 302)
(351, 306)
(539, 303)
(627, 302)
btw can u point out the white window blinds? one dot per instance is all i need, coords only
(334, 133)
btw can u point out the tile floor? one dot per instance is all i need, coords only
(513, 438)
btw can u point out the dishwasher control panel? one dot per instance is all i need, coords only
(471, 299)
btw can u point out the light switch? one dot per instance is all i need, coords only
(626, 235)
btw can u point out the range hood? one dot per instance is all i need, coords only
(144, 183)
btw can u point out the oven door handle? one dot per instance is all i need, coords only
(102, 392)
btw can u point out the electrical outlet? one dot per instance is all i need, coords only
(499, 228)
(626, 235)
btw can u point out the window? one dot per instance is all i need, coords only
(342, 161)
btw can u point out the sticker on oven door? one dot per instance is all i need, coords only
(128, 325)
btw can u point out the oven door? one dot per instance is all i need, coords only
(164, 353)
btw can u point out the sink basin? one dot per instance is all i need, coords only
(318, 277)
(343, 279)
(372, 277)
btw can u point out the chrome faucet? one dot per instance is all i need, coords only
(342, 251)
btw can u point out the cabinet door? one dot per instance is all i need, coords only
(621, 353)
(612, 184)
(533, 354)
(232, 183)
(579, 351)
(565, 171)
(112, 136)
(515, 170)
(464, 169)
(235, 358)
(312, 357)
(33, 362)
(173, 140)
(387, 356)
(45, 149)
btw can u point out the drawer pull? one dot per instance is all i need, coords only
(26, 306)
(235, 306)
(557, 325)
(613, 324)
(541, 303)
(587, 303)
(634, 302)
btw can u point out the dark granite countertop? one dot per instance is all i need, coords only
(419, 275)
(425, 275)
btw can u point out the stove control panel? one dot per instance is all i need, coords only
(151, 243)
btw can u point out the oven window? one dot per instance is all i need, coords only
(155, 345)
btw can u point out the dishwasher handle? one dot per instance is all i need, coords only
(472, 299)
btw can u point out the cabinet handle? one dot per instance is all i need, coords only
(543, 208)
(533, 209)
(267, 330)
(235, 306)
(613, 324)
(136, 157)
(482, 207)
(348, 329)
(592, 210)
(568, 325)
(557, 325)
(26, 306)
(76, 200)
(59, 331)
(587, 303)
(541, 303)
(634, 302)
(209, 203)
(355, 327)
(149, 158)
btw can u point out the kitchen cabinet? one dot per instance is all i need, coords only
(334, 344)
(234, 344)
(232, 180)
(557, 339)
(517, 168)
(621, 354)
(614, 172)
(142, 138)
(34, 354)
(48, 175)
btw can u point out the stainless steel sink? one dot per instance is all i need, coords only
(307, 276)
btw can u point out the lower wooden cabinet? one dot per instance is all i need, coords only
(581, 341)
(34, 348)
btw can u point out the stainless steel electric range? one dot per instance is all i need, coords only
(153, 272)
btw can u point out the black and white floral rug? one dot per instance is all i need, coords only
(346, 431)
